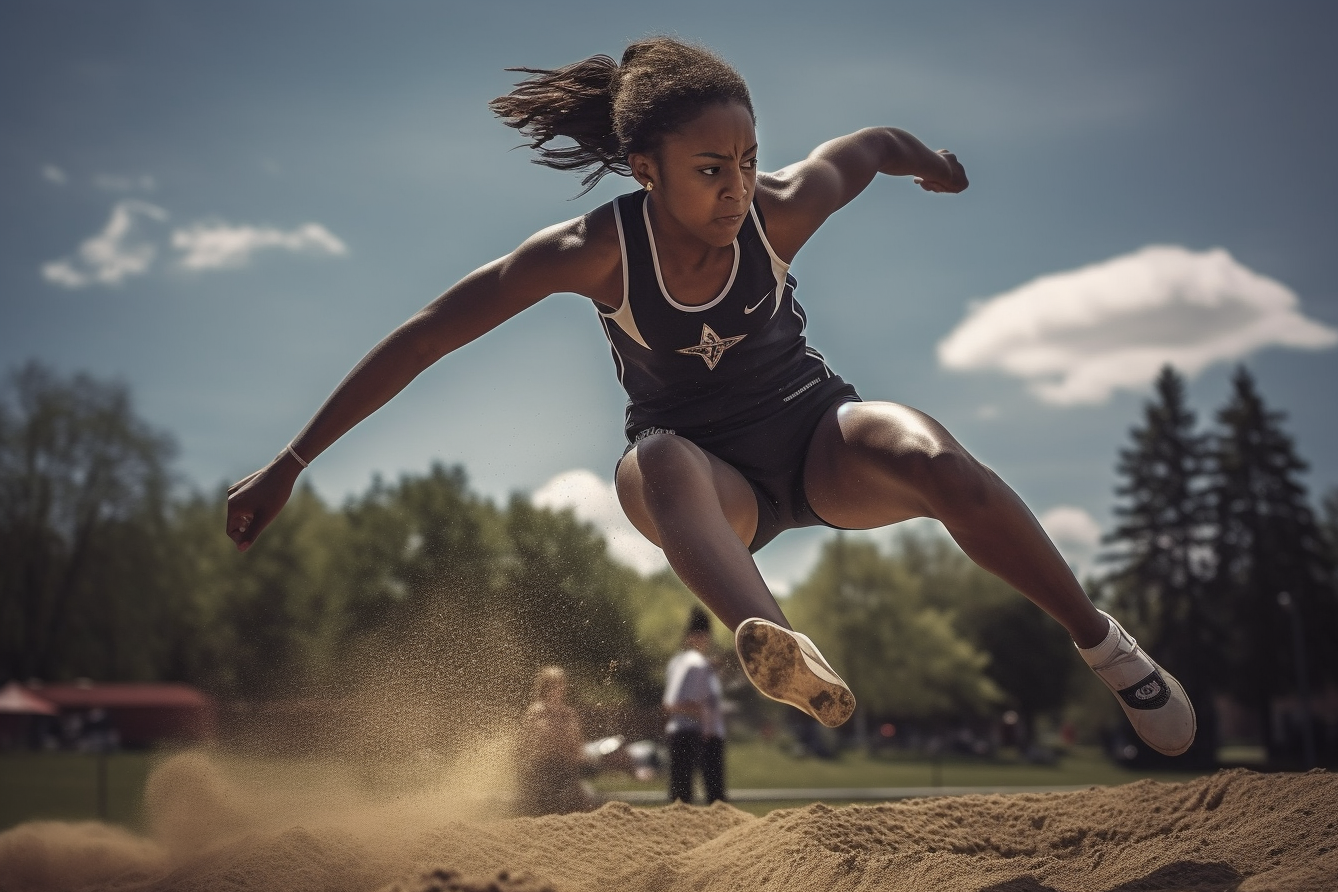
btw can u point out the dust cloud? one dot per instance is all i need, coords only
(337, 818)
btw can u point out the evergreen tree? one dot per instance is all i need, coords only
(1163, 530)
(1162, 558)
(1329, 525)
(1267, 542)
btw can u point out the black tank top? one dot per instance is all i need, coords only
(702, 369)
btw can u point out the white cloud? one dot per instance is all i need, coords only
(125, 247)
(216, 245)
(1072, 526)
(1075, 534)
(120, 250)
(1077, 336)
(596, 502)
(119, 182)
(54, 174)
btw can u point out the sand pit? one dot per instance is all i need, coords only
(1236, 830)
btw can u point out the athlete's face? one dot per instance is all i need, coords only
(704, 174)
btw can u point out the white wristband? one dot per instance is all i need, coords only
(293, 452)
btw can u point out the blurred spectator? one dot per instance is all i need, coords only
(550, 752)
(696, 727)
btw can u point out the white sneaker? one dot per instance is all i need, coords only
(786, 666)
(1153, 700)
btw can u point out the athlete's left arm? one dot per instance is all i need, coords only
(799, 198)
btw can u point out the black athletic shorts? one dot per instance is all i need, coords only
(770, 454)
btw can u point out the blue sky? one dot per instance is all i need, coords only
(225, 205)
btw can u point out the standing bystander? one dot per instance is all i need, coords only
(696, 727)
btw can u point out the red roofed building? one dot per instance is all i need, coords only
(139, 714)
(21, 715)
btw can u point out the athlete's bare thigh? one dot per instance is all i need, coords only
(664, 470)
(871, 464)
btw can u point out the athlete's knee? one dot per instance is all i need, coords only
(952, 478)
(669, 464)
(917, 452)
(666, 454)
(902, 442)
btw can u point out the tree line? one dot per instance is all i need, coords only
(112, 569)
(1223, 567)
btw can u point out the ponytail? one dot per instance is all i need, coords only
(575, 101)
(610, 110)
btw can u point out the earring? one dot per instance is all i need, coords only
(649, 185)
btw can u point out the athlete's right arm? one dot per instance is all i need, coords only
(566, 257)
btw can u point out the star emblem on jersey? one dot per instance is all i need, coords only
(712, 346)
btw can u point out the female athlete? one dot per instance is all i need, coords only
(737, 429)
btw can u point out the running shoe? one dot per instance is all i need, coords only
(1153, 700)
(786, 666)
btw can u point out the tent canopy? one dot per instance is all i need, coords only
(16, 700)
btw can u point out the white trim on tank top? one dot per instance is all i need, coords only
(623, 315)
(779, 268)
(659, 277)
(752, 211)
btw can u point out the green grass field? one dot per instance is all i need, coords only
(63, 786)
(758, 765)
(761, 766)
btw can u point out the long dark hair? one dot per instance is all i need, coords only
(610, 109)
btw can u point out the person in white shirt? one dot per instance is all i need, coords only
(696, 727)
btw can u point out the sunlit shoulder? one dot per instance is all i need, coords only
(580, 256)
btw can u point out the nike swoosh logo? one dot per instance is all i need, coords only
(765, 298)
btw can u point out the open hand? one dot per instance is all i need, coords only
(952, 177)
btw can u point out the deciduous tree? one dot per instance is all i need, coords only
(84, 491)
(901, 655)
(1031, 657)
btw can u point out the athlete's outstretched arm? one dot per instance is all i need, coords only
(797, 199)
(554, 260)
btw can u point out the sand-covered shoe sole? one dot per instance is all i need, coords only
(786, 666)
